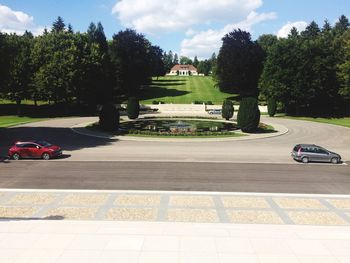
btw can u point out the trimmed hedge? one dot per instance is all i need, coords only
(133, 108)
(248, 115)
(227, 109)
(271, 107)
(109, 118)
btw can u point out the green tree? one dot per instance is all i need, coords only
(271, 107)
(130, 56)
(156, 62)
(311, 31)
(109, 117)
(195, 61)
(58, 25)
(227, 109)
(342, 25)
(185, 60)
(239, 64)
(176, 59)
(248, 117)
(133, 108)
(18, 86)
(343, 71)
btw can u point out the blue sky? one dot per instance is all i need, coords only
(189, 28)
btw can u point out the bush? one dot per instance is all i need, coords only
(271, 107)
(109, 117)
(133, 108)
(227, 109)
(210, 103)
(248, 115)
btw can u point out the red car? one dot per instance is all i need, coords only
(37, 149)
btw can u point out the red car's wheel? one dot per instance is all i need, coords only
(16, 156)
(46, 156)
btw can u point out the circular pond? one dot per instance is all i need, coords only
(177, 127)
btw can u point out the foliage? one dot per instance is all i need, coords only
(239, 64)
(109, 117)
(271, 107)
(227, 109)
(248, 115)
(133, 108)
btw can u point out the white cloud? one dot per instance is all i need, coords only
(285, 30)
(17, 22)
(204, 43)
(155, 16)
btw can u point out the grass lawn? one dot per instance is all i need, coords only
(183, 90)
(8, 121)
(336, 121)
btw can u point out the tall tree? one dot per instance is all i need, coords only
(342, 25)
(311, 31)
(239, 64)
(185, 60)
(129, 52)
(58, 25)
(195, 61)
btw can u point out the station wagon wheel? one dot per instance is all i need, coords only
(16, 156)
(305, 159)
(334, 160)
(46, 156)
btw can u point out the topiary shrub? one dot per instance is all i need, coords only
(271, 107)
(133, 108)
(109, 117)
(248, 115)
(227, 109)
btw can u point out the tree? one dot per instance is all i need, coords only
(109, 117)
(343, 70)
(239, 64)
(20, 70)
(311, 31)
(156, 62)
(326, 27)
(227, 109)
(267, 41)
(176, 59)
(271, 107)
(130, 56)
(58, 25)
(342, 25)
(133, 108)
(248, 117)
(195, 61)
(185, 60)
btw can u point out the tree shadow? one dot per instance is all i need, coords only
(156, 92)
(64, 137)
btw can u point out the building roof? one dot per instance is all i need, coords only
(183, 67)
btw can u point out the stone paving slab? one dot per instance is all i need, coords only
(235, 208)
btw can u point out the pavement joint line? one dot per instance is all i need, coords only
(154, 192)
(163, 208)
(46, 208)
(337, 211)
(103, 209)
(5, 199)
(281, 213)
(220, 209)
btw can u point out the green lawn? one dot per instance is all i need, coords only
(8, 121)
(336, 121)
(183, 90)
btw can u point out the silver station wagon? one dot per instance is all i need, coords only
(313, 153)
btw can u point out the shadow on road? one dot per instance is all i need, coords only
(64, 137)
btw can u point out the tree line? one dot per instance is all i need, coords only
(307, 73)
(63, 66)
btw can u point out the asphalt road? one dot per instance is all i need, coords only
(177, 176)
(268, 150)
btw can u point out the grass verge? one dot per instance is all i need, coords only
(345, 122)
(8, 121)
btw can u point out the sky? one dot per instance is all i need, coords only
(187, 27)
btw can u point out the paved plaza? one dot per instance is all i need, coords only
(195, 207)
(183, 227)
